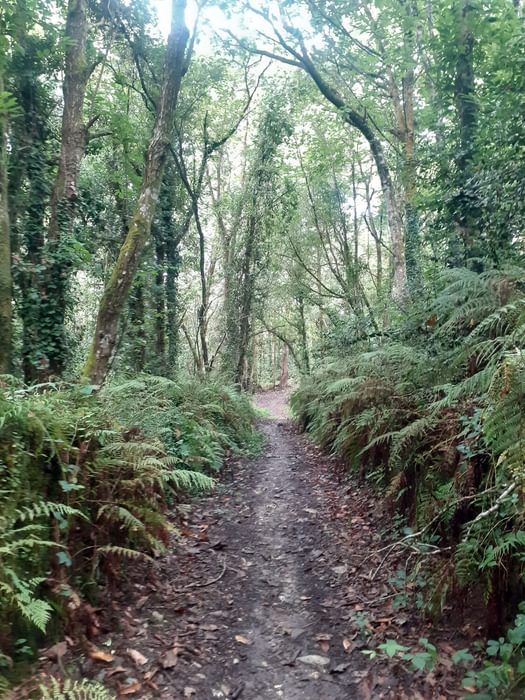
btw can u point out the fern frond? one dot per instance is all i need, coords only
(67, 689)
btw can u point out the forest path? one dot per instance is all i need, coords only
(263, 596)
(270, 628)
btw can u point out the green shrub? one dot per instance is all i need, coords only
(86, 479)
(434, 415)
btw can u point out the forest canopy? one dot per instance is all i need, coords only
(270, 179)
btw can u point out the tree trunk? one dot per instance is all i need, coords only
(304, 337)
(465, 209)
(254, 369)
(409, 181)
(160, 306)
(283, 381)
(118, 286)
(172, 272)
(137, 336)
(246, 290)
(74, 133)
(6, 287)
(395, 223)
(274, 361)
(203, 308)
(64, 194)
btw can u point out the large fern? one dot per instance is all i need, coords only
(86, 480)
(439, 412)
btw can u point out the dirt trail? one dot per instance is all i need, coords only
(273, 630)
(263, 594)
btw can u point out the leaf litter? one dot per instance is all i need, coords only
(263, 591)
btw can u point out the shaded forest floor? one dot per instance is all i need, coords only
(270, 592)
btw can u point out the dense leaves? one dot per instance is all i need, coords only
(86, 482)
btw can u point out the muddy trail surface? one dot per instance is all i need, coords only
(264, 593)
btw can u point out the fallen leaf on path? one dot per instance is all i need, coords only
(323, 637)
(57, 651)
(114, 671)
(341, 668)
(314, 660)
(189, 692)
(324, 647)
(170, 658)
(347, 644)
(242, 639)
(149, 674)
(129, 689)
(98, 655)
(340, 570)
(137, 657)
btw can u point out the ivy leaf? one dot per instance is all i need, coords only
(67, 486)
(64, 559)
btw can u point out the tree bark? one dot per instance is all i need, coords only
(118, 286)
(6, 285)
(465, 209)
(283, 381)
(137, 313)
(246, 298)
(64, 193)
(172, 272)
(74, 133)
(160, 306)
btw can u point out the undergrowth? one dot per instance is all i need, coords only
(85, 483)
(434, 415)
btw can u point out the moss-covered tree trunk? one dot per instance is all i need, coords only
(119, 283)
(136, 326)
(160, 305)
(5, 250)
(172, 322)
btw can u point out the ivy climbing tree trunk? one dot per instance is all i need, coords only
(5, 248)
(74, 136)
(117, 288)
(466, 212)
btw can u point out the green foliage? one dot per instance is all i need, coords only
(503, 672)
(436, 419)
(68, 689)
(86, 480)
(422, 659)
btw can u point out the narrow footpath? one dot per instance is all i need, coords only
(264, 595)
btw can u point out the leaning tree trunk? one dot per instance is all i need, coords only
(119, 284)
(393, 212)
(5, 253)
